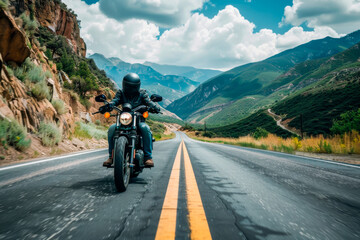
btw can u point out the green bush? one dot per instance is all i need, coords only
(10, 71)
(48, 54)
(40, 91)
(20, 74)
(260, 133)
(49, 133)
(324, 147)
(187, 127)
(36, 74)
(29, 25)
(4, 4)
(208, 134)
(347, 122)
(14, 134)
(90, 130)
(85, 102)
(98, 122)
(59, 106)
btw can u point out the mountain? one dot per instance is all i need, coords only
(317, 91)
(240, 91)
(171, 87)
(199, 75)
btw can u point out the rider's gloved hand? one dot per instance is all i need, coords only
(106, 108)
(154, 109)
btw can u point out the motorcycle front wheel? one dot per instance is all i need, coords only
(121, 164)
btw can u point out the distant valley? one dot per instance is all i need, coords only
(172, 82)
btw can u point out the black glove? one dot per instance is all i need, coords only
(106, 108)
(154, 109)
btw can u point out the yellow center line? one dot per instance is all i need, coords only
(199, 227)
(167, 224)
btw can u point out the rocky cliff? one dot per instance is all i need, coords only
(31, 86)
(54, 16)
(12, 40)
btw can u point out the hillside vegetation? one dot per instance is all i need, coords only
(318, 90)
(266, 80)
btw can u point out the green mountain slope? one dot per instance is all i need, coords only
(257, 78)
(319, 90)
(171, 87)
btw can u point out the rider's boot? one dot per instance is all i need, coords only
(149, 163)
(108, 162)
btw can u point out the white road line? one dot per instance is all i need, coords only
(49, 169)
(285, 154)
(49, 159)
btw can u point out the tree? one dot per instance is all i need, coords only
(260, 133)
(347, 122)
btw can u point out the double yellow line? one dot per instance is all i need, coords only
(199, 228)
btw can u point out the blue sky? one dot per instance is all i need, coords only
(264, 13)
(212, 34)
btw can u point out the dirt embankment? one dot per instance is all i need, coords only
(37, 150)
(171, 127)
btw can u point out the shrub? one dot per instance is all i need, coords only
(48, 74)
(49, 133)
(4, 4)
(9, 70)
(187, 127)
(59, 106)
(36, 74)
(29, 25)
(40, 91)
(14, 134)
(90, 130)
(85, 102)
(260, 133)
(20, 74)
(297, 143)
(347, 122)
(157, 136)
(48, 54)
(98, 122)
(324, 147)
(208, 134)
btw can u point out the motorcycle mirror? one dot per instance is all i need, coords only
(156, 98)
(100, 98)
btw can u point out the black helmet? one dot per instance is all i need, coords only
(131, 84)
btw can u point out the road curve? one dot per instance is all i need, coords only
(196, 190)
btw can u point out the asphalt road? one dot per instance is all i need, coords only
(227, 192)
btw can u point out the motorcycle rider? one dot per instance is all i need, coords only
(131, 93)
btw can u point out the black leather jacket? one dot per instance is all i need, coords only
(135, 101)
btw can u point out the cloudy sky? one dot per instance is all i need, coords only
(217, 34)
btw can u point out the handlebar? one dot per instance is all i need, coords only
(134, 110)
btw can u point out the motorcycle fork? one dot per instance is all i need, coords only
(133, 141)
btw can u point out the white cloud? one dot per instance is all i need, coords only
(341, 15)
(162, 12)
(131, 40)
(222, 42)
(228, 40)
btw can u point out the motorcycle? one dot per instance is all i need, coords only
(128, 153)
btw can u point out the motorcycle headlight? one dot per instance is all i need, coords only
(125, 118)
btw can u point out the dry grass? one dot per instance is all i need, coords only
(347, 144)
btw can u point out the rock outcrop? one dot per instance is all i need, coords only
(53, 15)
(12, 40)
